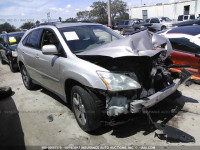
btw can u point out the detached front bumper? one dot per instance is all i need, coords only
(137, 105)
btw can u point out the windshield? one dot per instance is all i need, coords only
(167, 19)
(14, 38)
(82, 38)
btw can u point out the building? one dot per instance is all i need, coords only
(171, 10)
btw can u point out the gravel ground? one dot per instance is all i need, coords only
(24, 119)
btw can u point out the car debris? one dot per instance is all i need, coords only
(169, 131)
(50, 118)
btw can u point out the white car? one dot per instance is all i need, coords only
(156, 24)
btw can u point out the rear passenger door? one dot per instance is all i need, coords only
(48, 66)
(31, 46)
(126, 26)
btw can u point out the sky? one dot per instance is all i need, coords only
(17, 12)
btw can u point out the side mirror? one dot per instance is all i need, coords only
(49, 50)
(197, 55)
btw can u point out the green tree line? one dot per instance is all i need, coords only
(98, 12)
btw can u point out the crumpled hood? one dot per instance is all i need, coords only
(139, 44)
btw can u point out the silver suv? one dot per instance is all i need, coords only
(101, 74)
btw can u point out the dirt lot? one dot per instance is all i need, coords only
(24, 119)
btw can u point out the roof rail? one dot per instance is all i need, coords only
(46, 23)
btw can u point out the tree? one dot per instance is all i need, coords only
(99, 12)
(118, 8)
(37, 22)
(83, 15)
(27, 25)
(124, 16)
(71, 20)
(60, 19)
(7, 27)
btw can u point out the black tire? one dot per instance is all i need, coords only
(85, 108)
(5, 92)
(122, 32)
(2, 61)
(27, 79)
(163, 28)
(12, 68)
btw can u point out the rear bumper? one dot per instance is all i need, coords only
(137, 105)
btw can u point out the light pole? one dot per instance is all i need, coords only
(109, 13)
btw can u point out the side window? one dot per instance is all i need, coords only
(180, 18)
(156, 20)
(49, 38)
(152, 21)
(33, 39)
(184, 44)
(126, 22)
(192, 17)
(185, 17)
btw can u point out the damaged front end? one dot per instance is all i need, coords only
(139, 72)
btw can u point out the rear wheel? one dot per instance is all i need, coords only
(27, 79)
(85, 109)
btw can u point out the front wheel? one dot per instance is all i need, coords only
(85, 109)
(163, 28)
(27, 79)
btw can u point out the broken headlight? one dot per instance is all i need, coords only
(118, 82)
(14, 54)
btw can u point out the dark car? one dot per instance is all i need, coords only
(187, 23)
(186, 48)
(131, 25)
(8, 45)
(186, 17)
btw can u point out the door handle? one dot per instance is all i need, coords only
(37, 56)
